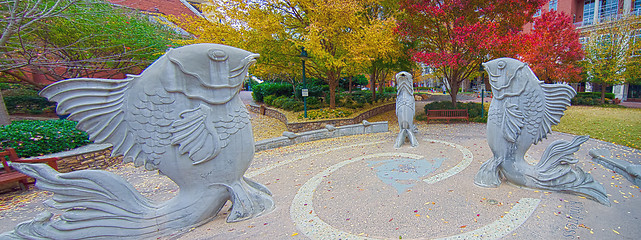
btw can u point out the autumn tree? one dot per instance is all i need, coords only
(611, 53)
(336, 34)
(552, 48)
(88, 39)
(454, 37)
(382, 64)
(16, 16)
(60, 39)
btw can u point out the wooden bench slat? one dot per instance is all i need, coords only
(9, 175)
(448, 114)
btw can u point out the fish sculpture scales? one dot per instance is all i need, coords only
(405, 110)
(182, 116)
(521, 113)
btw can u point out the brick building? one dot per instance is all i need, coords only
(588, 14)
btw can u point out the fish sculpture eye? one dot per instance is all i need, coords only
(218, 55)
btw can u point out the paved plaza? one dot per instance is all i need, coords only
(360, 187)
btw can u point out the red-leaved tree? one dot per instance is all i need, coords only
(552, 49)
(454, 37)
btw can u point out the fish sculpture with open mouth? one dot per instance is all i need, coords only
(521, 113)
(182, 116)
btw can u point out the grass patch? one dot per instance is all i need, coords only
(616, 125)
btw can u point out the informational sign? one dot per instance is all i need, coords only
(305, 92)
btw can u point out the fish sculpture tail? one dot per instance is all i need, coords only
(556, 171)
(249, 199)
(94, 202)
(406, 133)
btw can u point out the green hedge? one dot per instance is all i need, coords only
(590, 98)
(260, 91)
(286, 103)
(595, 95)
(390, 89)
(36, 138)
(28, 104)
(313, 90)
(19, 99)
(473, 109)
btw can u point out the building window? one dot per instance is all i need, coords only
(588, 12)
(635, 39)
(608, 9)
(538, 13)
(637, 7)
(553, 4)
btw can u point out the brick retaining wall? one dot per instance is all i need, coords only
(315, 125)
(92, 160)
(92, 156)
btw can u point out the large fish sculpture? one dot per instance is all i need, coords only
(521, 113)
(182, 116)
(405, 110)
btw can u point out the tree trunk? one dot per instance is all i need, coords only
(372, 80)
(350, 85)
(603, 87)
(4, 115)
(454, 85)
(332, 80)
(381, 84)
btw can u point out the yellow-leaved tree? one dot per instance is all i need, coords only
(338, 35)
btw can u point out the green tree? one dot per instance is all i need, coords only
(87, 39)
(611, 53)
(58, 39)
(17, 16)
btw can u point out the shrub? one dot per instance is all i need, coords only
(473, 109)
(313, 90)
(390, 89)
(5, 86)
(595, 95)
(269, 88)
(269, 99)
(590, 98)
(36, 138)
(326, 113)
(313, 101)
(278, 102)
(28, 104)
(290, 104)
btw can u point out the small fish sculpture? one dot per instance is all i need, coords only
(522, 113)
(182, 116)
(405, 110)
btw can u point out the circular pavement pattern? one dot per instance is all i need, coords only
(360, 187)
(303, 215)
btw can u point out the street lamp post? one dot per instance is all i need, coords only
(305, 91)
(482, 90)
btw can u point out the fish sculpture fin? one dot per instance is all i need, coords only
(99, 106)
(556, 171)
(512, 122)
(196, 134)
(557, 98)
(93, 203)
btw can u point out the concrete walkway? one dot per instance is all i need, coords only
(360, 187)
(631, 104)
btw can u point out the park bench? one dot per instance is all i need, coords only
(10, 175)
(448, 114)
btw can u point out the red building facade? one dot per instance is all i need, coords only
(589, 13)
